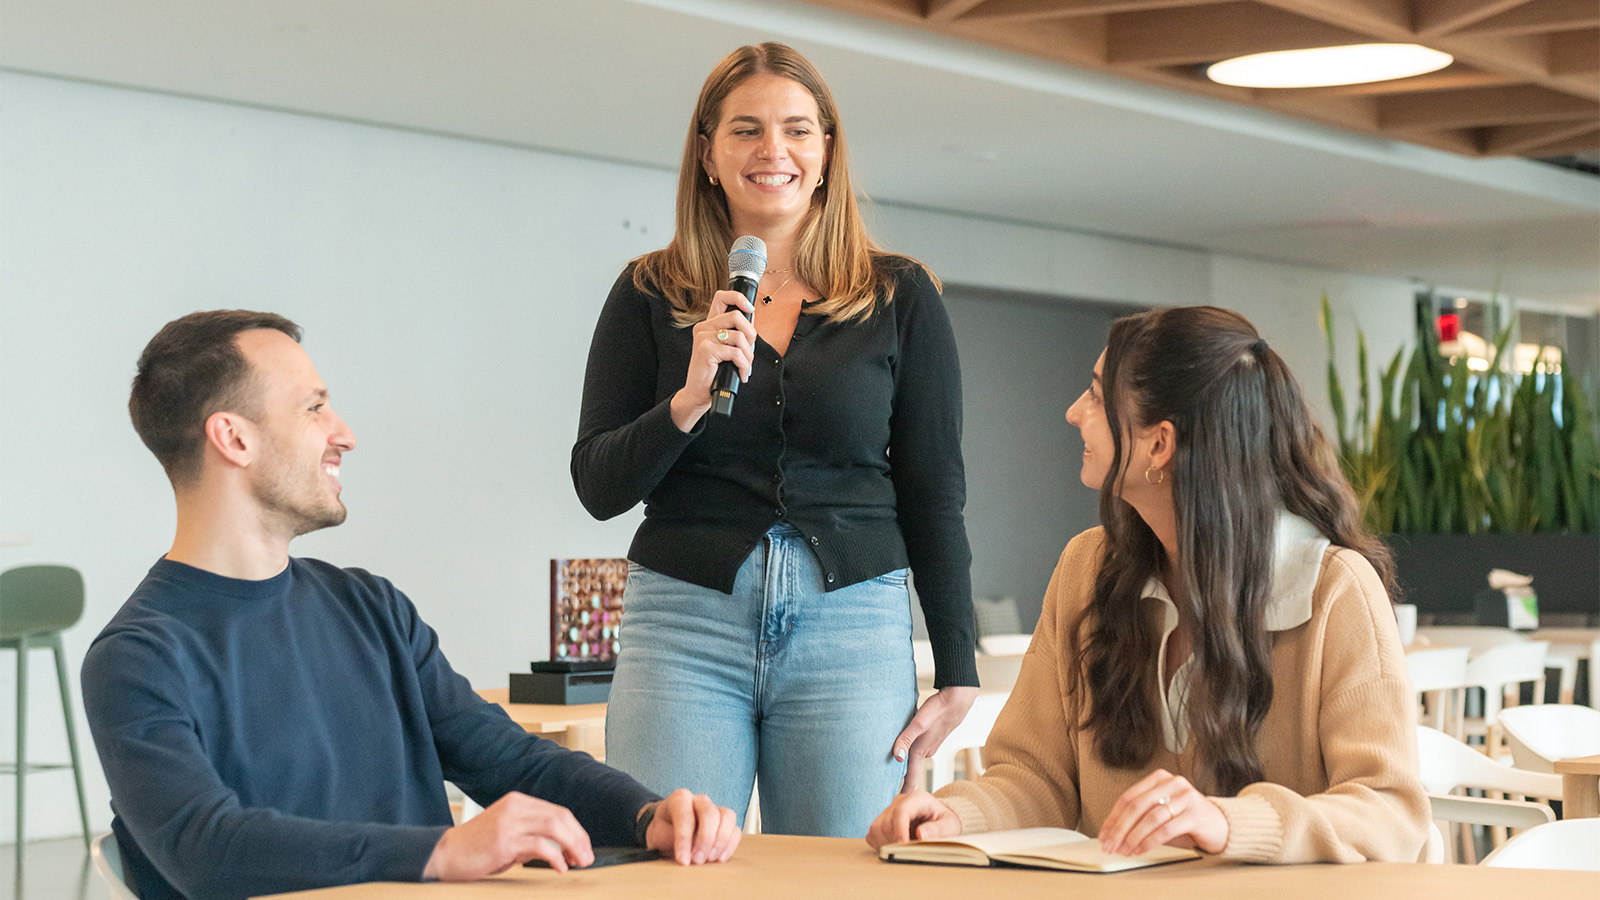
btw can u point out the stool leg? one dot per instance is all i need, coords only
(72, 734)
(22, 741)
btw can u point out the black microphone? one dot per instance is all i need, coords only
(747, 262)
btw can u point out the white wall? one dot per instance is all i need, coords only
(448, 290)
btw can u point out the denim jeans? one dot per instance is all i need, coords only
(780, 680)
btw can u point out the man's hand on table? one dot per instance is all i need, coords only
(691, 829)
(515, 829)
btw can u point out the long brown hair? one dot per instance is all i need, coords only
(1245, 446)
(834, 254)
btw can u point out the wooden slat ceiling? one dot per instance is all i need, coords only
(1526, 80)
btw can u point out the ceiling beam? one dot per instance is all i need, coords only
(1514, 140)
(1446, 79)
(1574, 53)
(1211, 33)
(1034, 10)
(1389, 20)
(942, 11)
(1540, 17)
(1436, 17)
(1479, 107)
(1585, 143)
(1080, 41)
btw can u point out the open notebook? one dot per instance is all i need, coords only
(1038, 848)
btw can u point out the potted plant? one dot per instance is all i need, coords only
(1468, 470)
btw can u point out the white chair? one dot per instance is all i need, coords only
(922, 653)
(1569, 844)
(1576, 644)
(1445, 765)
(1541, 736)
(1439, 674)
(969, 738)
(1468, 811)
(1005, 644)
(106, 857)
(1500, 670)
(1479, 638)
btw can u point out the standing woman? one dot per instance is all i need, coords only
(1217, 666)
(768, 620)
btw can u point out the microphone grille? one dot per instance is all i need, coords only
(748, 258)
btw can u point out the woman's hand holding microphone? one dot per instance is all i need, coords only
(726, 335)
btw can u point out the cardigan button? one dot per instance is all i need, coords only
(814, 542)
(778, 402)
(830, 578)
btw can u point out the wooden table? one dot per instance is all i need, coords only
(1580, 787)
(775, 867)
(579, 726)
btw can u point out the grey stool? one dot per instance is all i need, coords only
(37, 603)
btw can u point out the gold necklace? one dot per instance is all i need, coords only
(768, 298)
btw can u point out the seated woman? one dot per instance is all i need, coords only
(1217, 666)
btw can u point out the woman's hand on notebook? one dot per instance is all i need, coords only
(913, 816)
(1163, 808)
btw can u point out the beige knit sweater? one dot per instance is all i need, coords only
(1338, 747)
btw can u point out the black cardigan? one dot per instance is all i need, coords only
(853, 437)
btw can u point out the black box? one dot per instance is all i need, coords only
(564, 688)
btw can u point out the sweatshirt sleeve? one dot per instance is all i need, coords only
(929, 476)
(193, 828)
(1374, 807)
(487, 755)
(1032, 773)
(627, 441)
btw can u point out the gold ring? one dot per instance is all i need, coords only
(723, 335)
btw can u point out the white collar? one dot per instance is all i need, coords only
(1297, 550)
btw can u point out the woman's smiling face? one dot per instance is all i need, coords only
(768, 153)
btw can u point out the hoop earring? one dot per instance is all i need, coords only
(820, 179)
(711, 178)
(1162, 473)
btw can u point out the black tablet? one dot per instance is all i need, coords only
(608, 856)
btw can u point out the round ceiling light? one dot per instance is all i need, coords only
(1327, 66)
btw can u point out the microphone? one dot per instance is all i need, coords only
(747, 262)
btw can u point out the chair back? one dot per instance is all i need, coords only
(1446, 764)
(1568, 844)
(1005, 644)
(1437, 669)
(922, 655)
(39, 600)
(1540, 736)
(106, 857)
(1496, 668)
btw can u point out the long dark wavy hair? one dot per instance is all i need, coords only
(1245, 447)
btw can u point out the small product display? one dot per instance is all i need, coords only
(586, 608)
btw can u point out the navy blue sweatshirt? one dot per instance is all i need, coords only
(294, 733)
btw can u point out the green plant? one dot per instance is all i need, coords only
(1451, 450)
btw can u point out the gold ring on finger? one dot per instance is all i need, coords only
(722, 335)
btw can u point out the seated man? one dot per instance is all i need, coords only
(273, 724)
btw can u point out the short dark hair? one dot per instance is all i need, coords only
(189, 370)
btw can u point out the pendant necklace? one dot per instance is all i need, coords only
(768, 298)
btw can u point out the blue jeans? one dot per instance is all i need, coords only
(780, 680)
